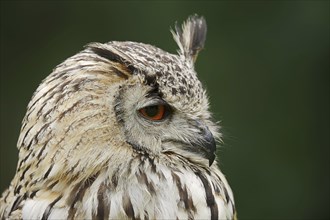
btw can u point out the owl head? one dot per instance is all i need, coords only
(118, 99)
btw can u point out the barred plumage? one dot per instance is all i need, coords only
(86, 151)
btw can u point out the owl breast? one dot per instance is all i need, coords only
(140, 188)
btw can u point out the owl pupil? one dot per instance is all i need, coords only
(152, 111)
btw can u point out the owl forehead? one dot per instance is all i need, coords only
(174, 76)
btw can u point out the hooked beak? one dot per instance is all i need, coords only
(202, 144)
(208, 145)
(205, 144)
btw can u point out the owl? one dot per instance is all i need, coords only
(121, 130)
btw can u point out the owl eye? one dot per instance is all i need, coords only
(155, 112)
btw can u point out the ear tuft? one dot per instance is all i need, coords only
(191, 38)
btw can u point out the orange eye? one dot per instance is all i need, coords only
(154, 112)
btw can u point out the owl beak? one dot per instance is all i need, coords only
(208, 145)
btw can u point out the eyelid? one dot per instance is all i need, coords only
(154, 101)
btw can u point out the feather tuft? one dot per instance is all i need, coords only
(191, 37)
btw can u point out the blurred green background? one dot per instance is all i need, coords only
(266, 68)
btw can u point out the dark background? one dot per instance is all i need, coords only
(266, 68)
